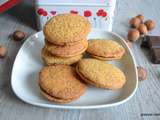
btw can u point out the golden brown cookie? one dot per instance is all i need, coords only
(105, 49)
(100, 74)
(51, 60)
(67, 50)
(66, 28)
(60, 83)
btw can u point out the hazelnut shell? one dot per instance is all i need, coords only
(143, 29)
(141, 17)
(142, 73)
(18, 35)
(150, 24)
(135, 22)
(3, 51)
(133, 35)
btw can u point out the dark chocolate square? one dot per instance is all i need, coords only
(151, 42)
(144, 43)
(154, 41)
(155, 55)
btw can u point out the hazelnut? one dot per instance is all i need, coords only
(18, 35)
(133, 35)
(129, 43)
(142, 73)
(143, 29)
(150, 24)
(3, 51)
(141, 17)
(134, 22)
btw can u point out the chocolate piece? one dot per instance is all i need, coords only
(144, 43)
(151, 42)
(155, 55)
(154, 41)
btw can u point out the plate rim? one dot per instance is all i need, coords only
(77, 106)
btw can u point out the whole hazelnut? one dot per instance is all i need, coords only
(141, 17)
(18, 35)
(133, 35)
(3, 51)
(143, 29)
(142, 73)
(134, 22)
(150, 24)
(129, 43)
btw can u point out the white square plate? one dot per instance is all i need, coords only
(28, 63)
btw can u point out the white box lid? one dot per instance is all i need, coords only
(76, 2)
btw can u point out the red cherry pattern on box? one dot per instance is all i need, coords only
(87, 13)
(53, 12)
(42, 12)
(74, 12)
(45, 13)
(102, 13)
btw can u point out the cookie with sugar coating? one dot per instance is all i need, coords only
(66, 28)
(100, 74)
(103, 49)
(67, 50)
(49, 59)
(60, 83)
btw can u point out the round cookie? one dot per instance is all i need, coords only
(55, 99)
(66, 28)
(51, 60)
(60, 83)
(105, 49)
(67, 50)
(100, 74)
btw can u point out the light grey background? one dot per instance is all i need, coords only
(146, 99)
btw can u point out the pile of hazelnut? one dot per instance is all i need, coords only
(139, 28)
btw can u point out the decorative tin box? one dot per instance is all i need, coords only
(99, 12)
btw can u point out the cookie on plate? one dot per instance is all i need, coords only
(51, 60)
(60, 83)
(100, 74)
(67, 50)
(105, 49)
(66, 28)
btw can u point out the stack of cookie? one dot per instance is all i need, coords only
(65, 39)
(65, 42)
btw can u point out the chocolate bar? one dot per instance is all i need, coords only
(153, 43)
(155, 55)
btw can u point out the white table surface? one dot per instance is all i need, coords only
(145, 101)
